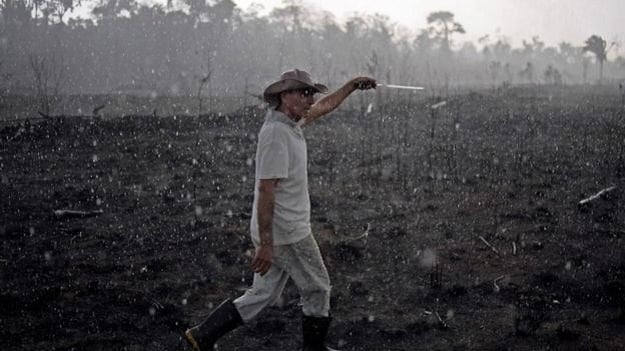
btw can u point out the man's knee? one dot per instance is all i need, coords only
(253, 302)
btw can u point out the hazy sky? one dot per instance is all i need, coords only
(552, 20)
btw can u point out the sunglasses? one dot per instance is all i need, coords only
(305, 92)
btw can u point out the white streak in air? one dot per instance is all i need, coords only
(439, 105)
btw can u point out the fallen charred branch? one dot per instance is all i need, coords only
(600, 194)
(489, 245)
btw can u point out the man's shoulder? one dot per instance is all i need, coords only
(272, 130)
(274, 126)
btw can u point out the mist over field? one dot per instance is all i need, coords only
(216, 49)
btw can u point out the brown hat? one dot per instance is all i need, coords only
(291, 80)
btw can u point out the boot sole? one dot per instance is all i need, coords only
(191, 340)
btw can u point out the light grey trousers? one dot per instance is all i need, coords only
(303, 263)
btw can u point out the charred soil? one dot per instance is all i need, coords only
(455, 228)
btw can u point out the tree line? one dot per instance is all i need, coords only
(212, 47)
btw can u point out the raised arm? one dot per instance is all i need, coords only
(330, 102)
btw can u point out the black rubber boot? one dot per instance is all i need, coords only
(222, 320)
(315, 330)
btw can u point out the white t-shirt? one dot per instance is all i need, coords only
(281, 154)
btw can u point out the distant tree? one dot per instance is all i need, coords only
(532, 49)
(598, 46)
(502, 49)
(585, 64)
(114, 8)
(15, 16)
(424, 42)
(381, 36)
(58, 8)
(293, 18)
(494, 69)
(553, 76)
(528, 73)
(49, 76)
(293, 14)
(198, 9)
(443, 24)
(509, 78)
(569, 53)
(499, 51)
(13, 11)
(469, 51)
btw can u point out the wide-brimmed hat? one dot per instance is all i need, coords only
(291, 80)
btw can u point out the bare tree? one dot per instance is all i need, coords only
(49, 76)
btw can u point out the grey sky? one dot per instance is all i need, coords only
(552, 20)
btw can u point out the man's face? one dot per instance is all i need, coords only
(296, 103)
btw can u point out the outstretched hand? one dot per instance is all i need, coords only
(364, 83)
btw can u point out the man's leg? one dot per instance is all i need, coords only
(304, 263)
(231, 314)
(223, 319)
(306, 268)
(264, 291)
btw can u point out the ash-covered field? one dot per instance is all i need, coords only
(445, 226)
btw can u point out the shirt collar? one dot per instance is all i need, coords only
(278, 116)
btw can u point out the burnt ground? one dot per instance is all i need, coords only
(430, 186)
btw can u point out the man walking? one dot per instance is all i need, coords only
(280, 224)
